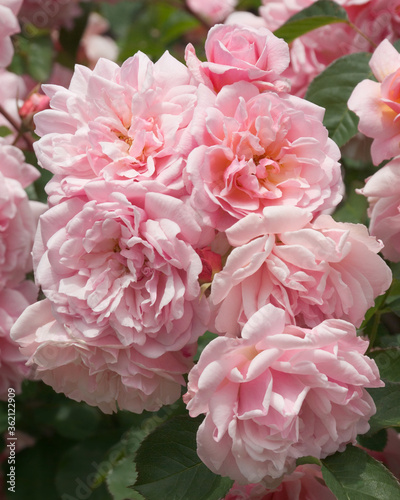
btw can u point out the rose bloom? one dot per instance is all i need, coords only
(13, 301)
(8, 26)
(305, 482)
(314, 271)
(18, 215)
(111, 268)
(13, 89)
(118, 123)
(213, 11)
(240, 53)
(94, 43)
(383, 193)
(279, 393)
(313, 52)
(377, 103)
(101, 372)
(260, 150)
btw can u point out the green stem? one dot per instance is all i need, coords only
(354, 27)
(374, 331)
(21, 134)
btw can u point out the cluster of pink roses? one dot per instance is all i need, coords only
(377, 105)
(375, 20)
(193, 197)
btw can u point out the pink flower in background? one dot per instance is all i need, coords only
(377, 19)
(278, 393)
(383, 193)
(18, 215)
(8, 26)
(313, 271)
(102, 372)
(94, 43)
(119, 123)
(313, 52)
(259, 150)
(277, 12)
(238, 53)
(305, 483)
(213, 11)
(13, 91)
(13, 302)
(377, 103)
(111, 268)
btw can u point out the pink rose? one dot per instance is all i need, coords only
(377, 103)
(383, 193)
(113, 269)
(259, 150)
(313, 52)
(12, 90)
(13, 301)
(239, 53)
(277, 12)
(305, 483)
(314, 271)
(213, 11)
(8, 26)
(279, 393)
(102, 372)
(119, 123)
(95, 44)
(18, 215)
(376, 19)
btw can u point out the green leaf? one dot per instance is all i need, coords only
(355, 475)
(120, 478)
(388, 361)
(40, 58)
(308, 460)
(332, 89)
(354, 206)
(34, 56)
(319, 14)
(121, 15)
(167, 461)
(387, 401)
(203, 341)
(377, 442)
(4, 131)
(123, 472)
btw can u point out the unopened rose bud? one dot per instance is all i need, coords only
(212, 263)
(34, 103)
